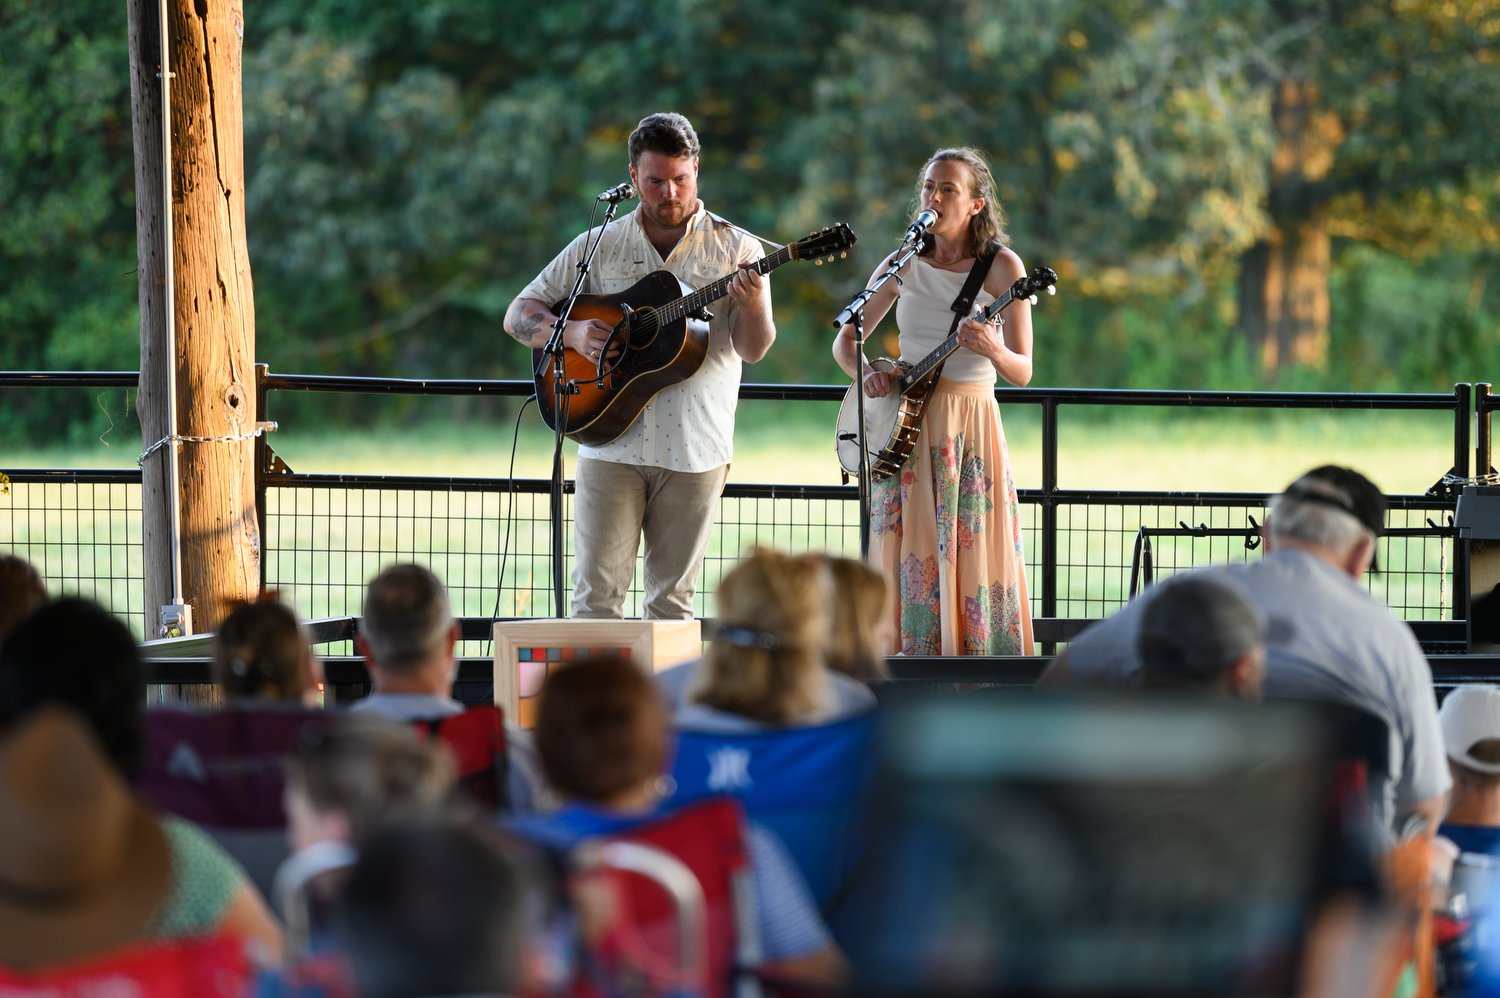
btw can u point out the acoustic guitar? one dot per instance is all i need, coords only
(663, 335)
(892, 421)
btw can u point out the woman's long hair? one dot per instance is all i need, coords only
(989, 223)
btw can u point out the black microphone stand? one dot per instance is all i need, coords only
(854, 313)
(563, 391)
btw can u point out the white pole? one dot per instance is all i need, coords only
(174, 528)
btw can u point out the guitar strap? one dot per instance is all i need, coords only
(964, 303)
(739, 228)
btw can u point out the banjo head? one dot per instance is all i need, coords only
(883, 427)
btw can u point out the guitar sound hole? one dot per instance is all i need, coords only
(643, 328)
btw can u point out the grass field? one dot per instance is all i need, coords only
(333, 539)
(1189, 450)
(1250, 450)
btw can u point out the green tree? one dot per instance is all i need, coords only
(67, 198)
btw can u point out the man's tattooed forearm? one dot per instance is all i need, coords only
(527, 327)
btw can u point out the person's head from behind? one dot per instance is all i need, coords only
(355, 771)
(433, 908)
(407, 633)
(1333, 511)
(765, 661)
(1199, 633)
(22, 593)
(862, 626)
(1470, 722)
(74, 653)
(664, 167)
(601, 732)
(261, 651)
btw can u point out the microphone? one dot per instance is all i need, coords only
(618, 193)
(917, 229)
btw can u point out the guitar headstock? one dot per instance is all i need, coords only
(835, 239)
(1040, 279)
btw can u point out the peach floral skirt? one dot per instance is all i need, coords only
(946, 533)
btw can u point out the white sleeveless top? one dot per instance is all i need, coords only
(924, 318)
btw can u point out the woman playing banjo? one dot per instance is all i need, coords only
(944, 529)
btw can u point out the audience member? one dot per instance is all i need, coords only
(764, 667)
(22, 592)
(433, 908)
(861, 630)
(1470, 719)
(349, 776)
(1328, 638)
(353, 773)
(602, 736)
(74, 654)
(1201, 633)
(408, 636)
(261, 652)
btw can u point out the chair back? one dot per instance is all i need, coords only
(204, 967)
(221, 769)
(477, 740)
(808, 785)
(675, 916)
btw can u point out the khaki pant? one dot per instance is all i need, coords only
(614, 506)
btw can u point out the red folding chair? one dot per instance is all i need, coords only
(477, 740)
(204, 967)
(666, 905)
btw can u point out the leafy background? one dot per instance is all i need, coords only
(410, 166)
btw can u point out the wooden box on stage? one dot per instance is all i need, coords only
(526, 649)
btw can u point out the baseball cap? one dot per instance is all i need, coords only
(1354, 494)
(1471, 714)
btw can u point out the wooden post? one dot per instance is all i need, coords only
(212, 305)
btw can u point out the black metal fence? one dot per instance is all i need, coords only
(324, 535)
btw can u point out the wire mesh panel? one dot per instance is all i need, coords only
(83, 533)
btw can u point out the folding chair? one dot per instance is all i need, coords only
(808, 785)
(225, 771)
(477, 740)
(665, 903)
(205, 967)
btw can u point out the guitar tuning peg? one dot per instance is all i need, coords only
(843, 254)
(1052, 289)
(818, 262)
(1032, 299)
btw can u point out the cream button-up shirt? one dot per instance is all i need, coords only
(688, 426)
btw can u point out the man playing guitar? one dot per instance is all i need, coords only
(662, 476)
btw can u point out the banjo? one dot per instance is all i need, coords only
(892, 421)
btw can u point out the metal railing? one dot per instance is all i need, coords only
(324, 535)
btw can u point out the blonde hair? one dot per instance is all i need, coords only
(859, 606)
(766, 663)
(989, 223)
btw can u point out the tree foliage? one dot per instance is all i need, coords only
(411, 166)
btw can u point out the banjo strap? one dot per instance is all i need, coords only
(964, 303)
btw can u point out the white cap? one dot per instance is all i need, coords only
(1471, 714)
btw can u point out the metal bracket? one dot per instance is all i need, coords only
(274, 465)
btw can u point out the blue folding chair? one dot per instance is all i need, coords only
(808, 785)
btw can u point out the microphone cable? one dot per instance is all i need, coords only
(510, 516)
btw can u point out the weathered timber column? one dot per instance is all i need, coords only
(212, 304)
